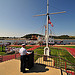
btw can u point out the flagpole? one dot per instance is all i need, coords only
(46, 49)
(47, 26)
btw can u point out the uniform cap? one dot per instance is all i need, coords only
(23, 44)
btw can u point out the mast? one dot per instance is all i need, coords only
(47, 26)
(46, 49)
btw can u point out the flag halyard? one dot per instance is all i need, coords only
(49, 22)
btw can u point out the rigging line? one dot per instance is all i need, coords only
(53, 32)
(42, 30)
(52, 29)
(43, 4)
(40, 27)
(44, 24)
(60, 9)
(56, 8)
(42, 7)
(49, 30)
(45, 20)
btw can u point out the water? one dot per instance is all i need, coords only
(67, 41)
(23, 41)
(12, 41)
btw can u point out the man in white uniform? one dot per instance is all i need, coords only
(23, 53)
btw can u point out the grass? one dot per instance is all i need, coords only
(69, 46)
(63, 54)
(59, 53)
(55, 52)
(4, 53)
(26, 47)
(38, 51)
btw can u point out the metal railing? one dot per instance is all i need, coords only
(51, 61)
(56, 62)
(8, 57)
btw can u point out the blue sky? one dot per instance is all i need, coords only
(16, 17)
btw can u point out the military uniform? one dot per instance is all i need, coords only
(23, 52)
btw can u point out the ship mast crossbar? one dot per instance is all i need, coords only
(46, 49)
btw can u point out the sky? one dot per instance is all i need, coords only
(16, 17)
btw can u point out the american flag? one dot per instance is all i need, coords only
(49, 22)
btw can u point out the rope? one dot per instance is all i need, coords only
(40, 28)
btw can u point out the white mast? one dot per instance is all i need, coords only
(46, 49)
(47, 26)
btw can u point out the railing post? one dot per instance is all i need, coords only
(74, 69)
(2, 58)
(2, 48)
(54, 63)
(45, 58)
(65, 65)
(15, 55)
(61, 72)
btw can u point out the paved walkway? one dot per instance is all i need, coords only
(12, 67)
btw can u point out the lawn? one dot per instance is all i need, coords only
(4, 53)
(39, 50)
(69, 46)
(57, 52)
(63, 54)
(26, 47)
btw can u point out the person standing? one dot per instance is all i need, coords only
(23, 53)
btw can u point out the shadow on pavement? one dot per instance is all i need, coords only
(38, 68)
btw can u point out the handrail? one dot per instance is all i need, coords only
(56, 57)
(58, 62)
